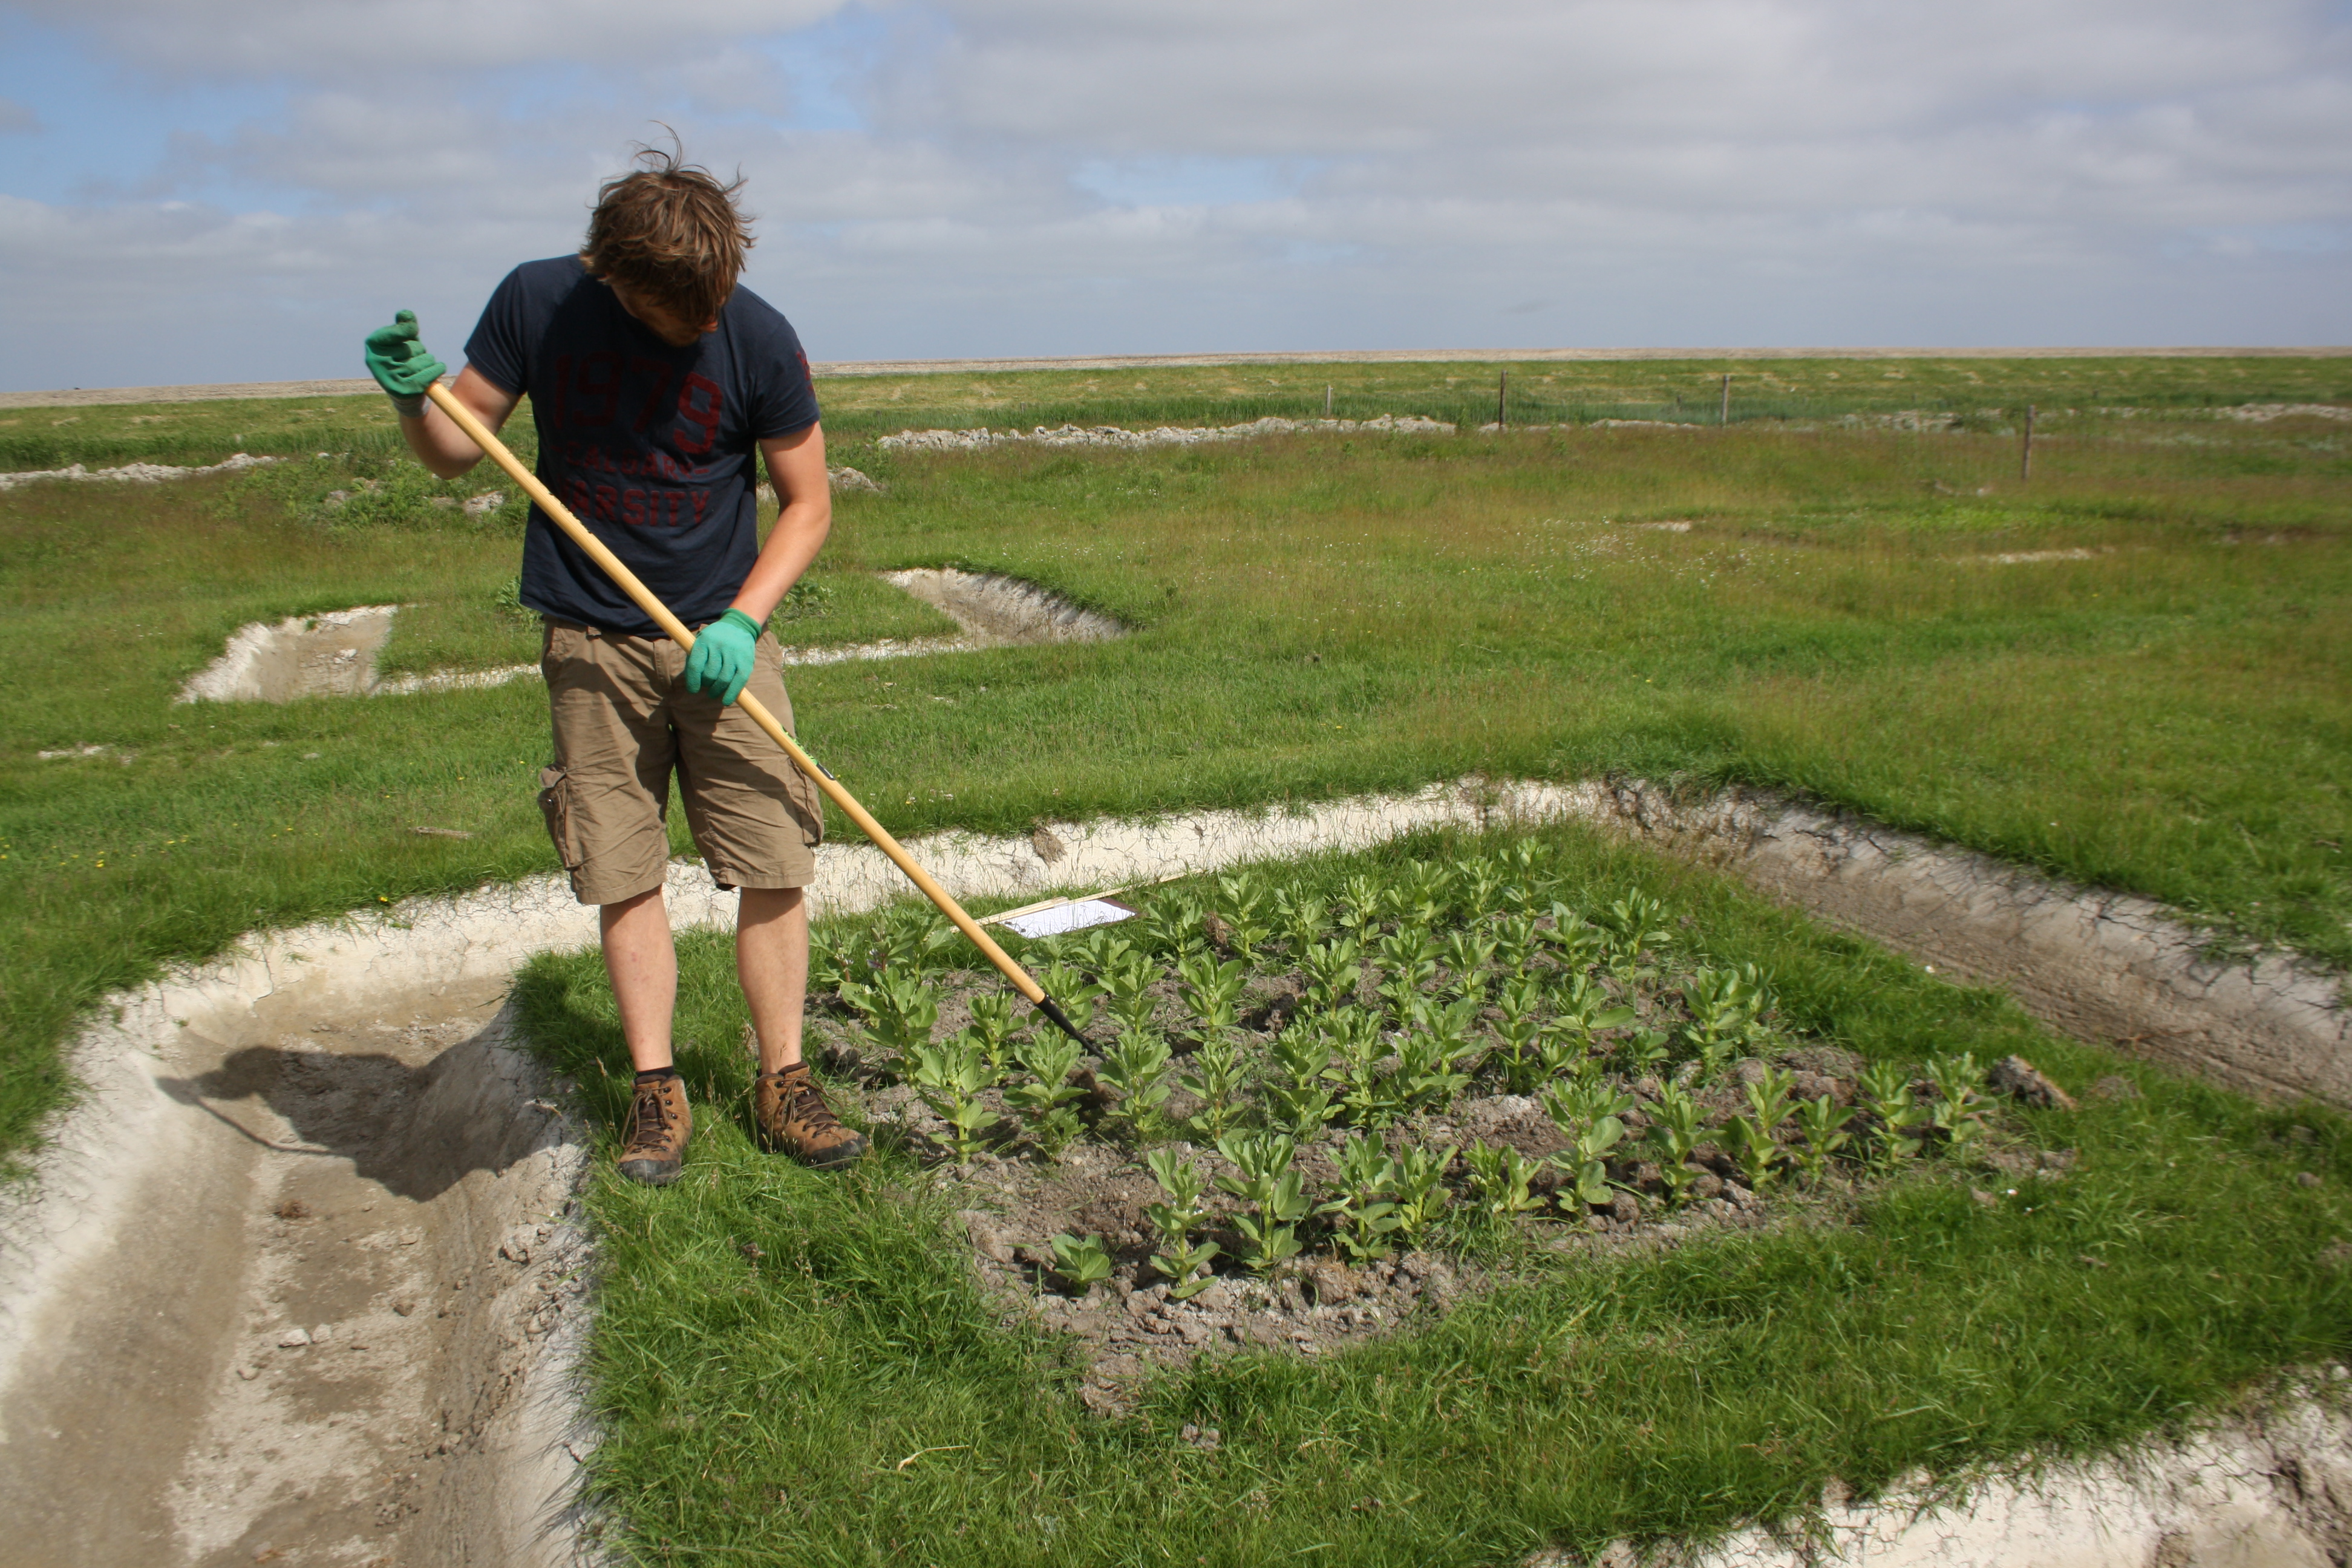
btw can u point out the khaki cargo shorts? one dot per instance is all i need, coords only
(624, 721)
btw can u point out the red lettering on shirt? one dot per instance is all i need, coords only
(661, 373)
(599, 381)
(608, 501)
(580, 501)
(633, 507)
(706, 418)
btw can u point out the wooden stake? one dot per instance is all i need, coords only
(1726, 418)
(1327, 400)
(1502, 400)
(2025, 452)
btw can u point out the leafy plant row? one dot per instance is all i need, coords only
(1377, 1004)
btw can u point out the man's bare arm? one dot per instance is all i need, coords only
(796, 467)
(444, 449)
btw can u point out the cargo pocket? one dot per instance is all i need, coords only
(807, 804)
(555, 805)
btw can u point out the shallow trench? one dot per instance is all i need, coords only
(334, 655)
(328, 1128)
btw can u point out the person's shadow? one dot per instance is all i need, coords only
(416, 1130)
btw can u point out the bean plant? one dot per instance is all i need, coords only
(1215, 1081)
(1081, 1260)
(1136, 1068)
(1185, 1262)
(1276, 1196)
(1501, 1175)
(950, 1076)
(1049, 1059)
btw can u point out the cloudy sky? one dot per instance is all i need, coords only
(230, 190)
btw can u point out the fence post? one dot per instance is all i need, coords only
(1726, 417)
(2025, 451)
(1502, 401)
(1327, 400)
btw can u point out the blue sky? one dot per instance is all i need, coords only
(225, 190)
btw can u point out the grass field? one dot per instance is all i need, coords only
(798, 1367)
(2128, 670)
(2149, 696)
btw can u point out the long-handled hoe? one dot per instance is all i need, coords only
(555, 510)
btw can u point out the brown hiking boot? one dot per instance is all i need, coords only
(659, 1123)
(792, 1115)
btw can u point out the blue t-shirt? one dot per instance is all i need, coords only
(655, 448)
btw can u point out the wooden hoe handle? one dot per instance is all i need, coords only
(561, 515)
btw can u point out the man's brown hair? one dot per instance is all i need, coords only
(670, 231)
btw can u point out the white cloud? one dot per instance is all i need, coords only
(1076, 175)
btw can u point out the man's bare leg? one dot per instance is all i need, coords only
(642, 962)
(771, 961)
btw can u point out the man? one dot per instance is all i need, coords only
(653, 380)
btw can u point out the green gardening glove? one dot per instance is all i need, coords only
(403, 366)
(722, 661)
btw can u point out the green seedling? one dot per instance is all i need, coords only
(1049, 1059)
(1480, 881)
(1333, 972)
(1179, 1257)
(1754, 1137)
(1074, 991)
(1368, 1097)
(912, 937)
(1587, 1115)
(1136, 1070)
(992, 1020)
(1727, 1008)
(1959, 1111)
(1360, 905)
(1500, 1175)
(1243, 907)
(1083, 1261)
(1423, 895)
(1576, 941)
(1886, 1094)
(1823, 1120)
(1643, 1051)
(1524, 1067)
(1468, 955)
(1300, 919)
(1421, 1188)
(900, 1010)
(1674, 1128)
(950, 1076)
(1104, 948)
(1517, 940)
(1298, 1100)
(1212, 990)
(1635, 927)
(1361, 1211)
(1429, 1062)
(1173, 924)
(1408, 963)
(1274, 1192)
(1127, 980)
(1215, 1081)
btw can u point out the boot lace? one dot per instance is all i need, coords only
(649, 1117)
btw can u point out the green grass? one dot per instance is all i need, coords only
(1315, 617)
(774, 1406)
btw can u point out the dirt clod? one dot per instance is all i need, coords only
(2021, 1080)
